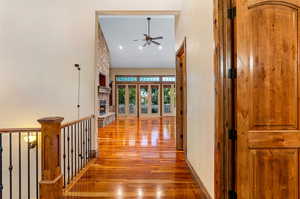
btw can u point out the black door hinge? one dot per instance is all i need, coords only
(232, 73)
(232, 134)
(232, 194)
(231, 13)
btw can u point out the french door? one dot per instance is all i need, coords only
(268, 141)
(146, 100)
(127, 100)
(149, 98)
(169, 100)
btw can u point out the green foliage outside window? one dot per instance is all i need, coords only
(167, 95)
(132, 95)
(155, 96)
(122, 95)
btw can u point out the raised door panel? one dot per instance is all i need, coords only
(273, 66)
(274, 174)
(267, 50)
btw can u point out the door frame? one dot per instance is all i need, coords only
(225, 149)
(181, 142)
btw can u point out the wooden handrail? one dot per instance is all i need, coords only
(76, 121)
(19, 130)
(51, 143)
(25, 130)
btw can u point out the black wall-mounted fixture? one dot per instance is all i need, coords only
(78, 92)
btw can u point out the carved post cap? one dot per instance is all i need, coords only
(51, 120)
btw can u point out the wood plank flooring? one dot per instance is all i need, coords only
(137, 159)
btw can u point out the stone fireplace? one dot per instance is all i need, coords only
(102, 107)
(104, 91)
(105, 116)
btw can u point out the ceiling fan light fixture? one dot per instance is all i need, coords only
(160, 47)
(148, 38)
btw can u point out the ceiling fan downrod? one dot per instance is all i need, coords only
(149, 19)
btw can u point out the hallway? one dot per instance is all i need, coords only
(137, 159)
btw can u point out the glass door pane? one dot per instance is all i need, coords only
(154, 99)
(167, 99)
(144, 94)
(132, 99)
(174, 96)
(121, 99)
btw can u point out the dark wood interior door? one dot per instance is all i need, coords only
(267, 49)
(181, 103)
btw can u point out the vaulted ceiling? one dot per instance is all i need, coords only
(121, 31)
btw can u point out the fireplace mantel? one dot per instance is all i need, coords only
(106, 115)
(104, 90)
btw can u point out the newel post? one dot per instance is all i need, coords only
(51, 184)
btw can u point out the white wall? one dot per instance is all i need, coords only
(40, 41)
(196, 23)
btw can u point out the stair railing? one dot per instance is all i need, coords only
(77, 150)
(41, 162)
(19, 152)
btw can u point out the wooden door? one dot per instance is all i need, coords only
(168, 99)
(181, 102)
(154, 100)
(268, 142)
(132, 100)
(149, 98)
(121, 100)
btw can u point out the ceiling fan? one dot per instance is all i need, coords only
(148, 39)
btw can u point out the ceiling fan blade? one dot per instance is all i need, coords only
(139, 40)
(156, 38)
(145, 45)
(156, 43)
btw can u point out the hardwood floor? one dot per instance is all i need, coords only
(137, 159)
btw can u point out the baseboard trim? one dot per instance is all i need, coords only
(206, 195)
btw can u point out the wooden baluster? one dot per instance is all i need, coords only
(51, 185)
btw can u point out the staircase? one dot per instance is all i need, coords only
(42, 163)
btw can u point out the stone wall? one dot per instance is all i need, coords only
(102, 66)
(102, 55)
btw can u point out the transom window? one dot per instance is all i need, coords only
(169, 79)
(126, 79)
(149, 79)
(145, 79)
